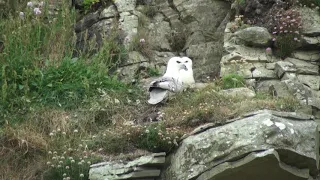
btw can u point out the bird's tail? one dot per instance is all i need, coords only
(157, 95)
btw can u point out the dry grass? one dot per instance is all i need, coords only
(115, 135)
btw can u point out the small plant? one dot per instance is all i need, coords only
(177, 39)
(88, 3)
(71, 159)
(286, 28)
(157, 138)
(150, 10)
(232, 81)
(238, 24)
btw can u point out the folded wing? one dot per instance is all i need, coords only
(159, 88)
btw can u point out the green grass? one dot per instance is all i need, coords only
(232, 81)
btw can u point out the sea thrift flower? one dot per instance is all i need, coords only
(36, 11)
(273, 39)
(21, 14)
(296, 39)
(268, 49)
(142, 40)
(29, 4)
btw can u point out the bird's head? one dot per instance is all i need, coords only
(188, 62)
(176, 64)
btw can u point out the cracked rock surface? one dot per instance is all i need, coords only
(262, 145)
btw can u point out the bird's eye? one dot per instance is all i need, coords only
(186, 61)
(178, 62)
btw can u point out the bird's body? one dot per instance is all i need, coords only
(177, 76)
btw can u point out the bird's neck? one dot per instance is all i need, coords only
(172, 72)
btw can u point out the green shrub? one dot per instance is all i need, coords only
(157, 138)
(232, 81)
(88, 3)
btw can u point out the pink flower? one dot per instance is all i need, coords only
(273, 39)
(142, 40)
(281, 27)
(37, 11)
(29, 4)
(268, 49)
(274, 32)
(21, 15)
(296, 39)
(288, 17)
(41, 4)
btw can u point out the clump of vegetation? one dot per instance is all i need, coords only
(232, 81)
(238, 24)
(157, 138)
(150, 10)
(177, 39)
(286, 29)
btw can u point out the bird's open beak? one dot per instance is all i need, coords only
(183, 66)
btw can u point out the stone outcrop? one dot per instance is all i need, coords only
(261, 145)
(145, 167)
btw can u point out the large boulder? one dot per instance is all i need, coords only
(262, 145)
(254, 36)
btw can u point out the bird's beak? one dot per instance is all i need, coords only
(183, 66)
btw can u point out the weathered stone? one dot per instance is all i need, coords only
(288, 75)
(270, 66)
(310, 43)
(239, 92)
(158, 33)
(246, 69)
(273, 87)
(259, 140)
(129, 25)
(125, 5)
(283, 66)
(197, 14)
(302, 93)
(86, 22)
(254, 36)
(311, 81)
(306, 55)
(304, 67)
(263, 73)
(141, 168)
(109, 12)
(134, 57)
(311, 21)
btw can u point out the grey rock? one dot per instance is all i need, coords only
(282, 67)
(273, 87)
(262, 139)
(144, 167)
(109, 12)
(310, 43)
(288, 75)
(311, 21)
(197, 14)
(125, 5)
(128, 23)
(263, 73)
(311, 81)
(239, 92)
(306, 55)
(270, 66)
(304, 67)
(254, 36)
(158, 34)
(135, 57)
(86, 22)
(302, 93)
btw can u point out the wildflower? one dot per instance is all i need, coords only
(75, 131)
(51, 134)
(67, 167)
(116, 101)
(54, 152)
(49, 152)
(68, 178)
(147, 131)
(21, 15)
(73, 161)
(59, 166)
(64, 175)
(58, 130)
(62, 157)
(29, 4)
(89, 162)
(54, 158)
(142, 40)
(64, 133)
(79, 163)
(273, 39)
(296, 39)
(281, 27)
(81, 175)
(52, 165)
(48, 163)
(274, 32)
(37, 11)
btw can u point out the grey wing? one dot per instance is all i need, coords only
(159, 89)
